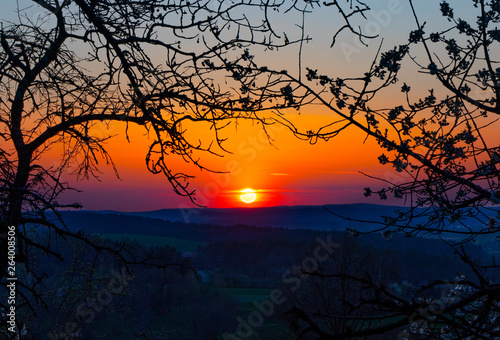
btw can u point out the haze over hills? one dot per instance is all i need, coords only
(289, 217)
(328, 217)
(254, 227)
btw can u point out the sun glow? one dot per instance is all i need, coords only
(248, 195)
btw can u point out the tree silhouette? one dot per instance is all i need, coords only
(442, 143)
(68, 73)
(159, 65)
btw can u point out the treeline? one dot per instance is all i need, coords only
(192, 298)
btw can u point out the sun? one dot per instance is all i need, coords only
(248, 195)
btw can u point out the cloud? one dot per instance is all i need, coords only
(340, 172)
(280, 190)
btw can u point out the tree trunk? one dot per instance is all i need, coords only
(14, 211)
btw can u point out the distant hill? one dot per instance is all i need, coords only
(328, 217)
(152, 230)
(289, 217)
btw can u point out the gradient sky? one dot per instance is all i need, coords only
(289, 172)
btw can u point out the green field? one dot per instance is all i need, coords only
(245, 295)
(149, 240)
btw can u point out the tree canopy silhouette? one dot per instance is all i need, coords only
(162, 64)
(68, 68)
(442, 141)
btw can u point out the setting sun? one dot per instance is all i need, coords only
(248, 195)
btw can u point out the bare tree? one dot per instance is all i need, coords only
(323, 306)
(68, 73)
(443, 145)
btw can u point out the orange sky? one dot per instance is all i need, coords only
(289, 172)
